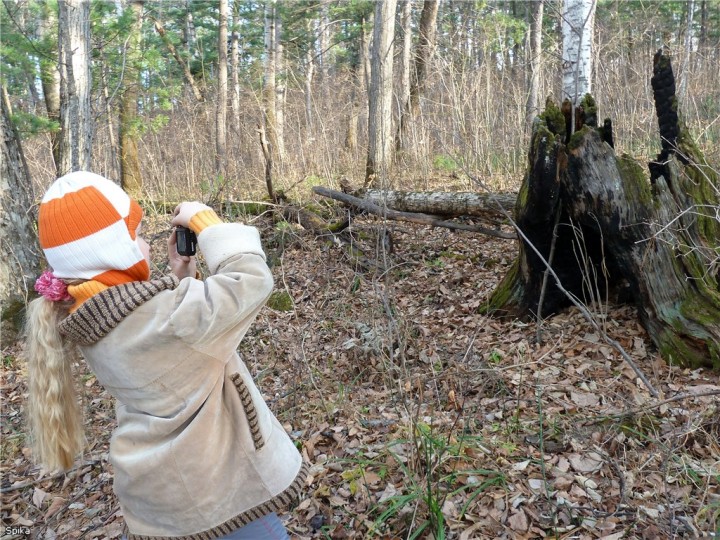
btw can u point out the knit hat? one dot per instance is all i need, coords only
(87, 230)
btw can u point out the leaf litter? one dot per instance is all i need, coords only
(422, 418)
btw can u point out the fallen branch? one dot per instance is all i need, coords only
(28, 483)
(410, 217)
(651, 406)
(444, 203)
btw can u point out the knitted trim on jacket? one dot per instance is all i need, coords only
(283, 501)
(98, 315)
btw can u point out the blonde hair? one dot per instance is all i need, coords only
(54, 416)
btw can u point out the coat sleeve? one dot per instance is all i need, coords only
(213, 315)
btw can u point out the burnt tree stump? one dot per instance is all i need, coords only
(652, 240)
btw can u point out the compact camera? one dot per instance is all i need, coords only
(186, 241)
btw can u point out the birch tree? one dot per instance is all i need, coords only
(76, 120)
(280, 86)
(222, 80)
(380, 94)
(269, 80)
(578, 21)
(685, 72)
(235, 64)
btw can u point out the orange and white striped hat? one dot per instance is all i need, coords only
(87, 230)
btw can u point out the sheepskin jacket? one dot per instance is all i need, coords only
(197, 453)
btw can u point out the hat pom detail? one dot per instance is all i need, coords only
(51, 287)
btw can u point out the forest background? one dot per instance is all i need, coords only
(431, 429)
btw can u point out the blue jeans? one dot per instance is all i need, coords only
(268, 527)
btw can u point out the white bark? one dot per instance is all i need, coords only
(444, 203)
(280, 86)
(309, 73)
(269, 95)
(235, 67)
(380, 94)
(685, 73)
(221, 111)
(76, 117)
(406, 53)
(189, 31)
(578, 22)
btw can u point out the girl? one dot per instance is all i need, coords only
(196, 452)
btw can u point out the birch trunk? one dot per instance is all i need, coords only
(280, 87)
(189, 31)
(235, 66)
(309, 74)
(442, 203)
(76, 120)
(578, 22)
(685, 73)
(222, 90)
(380, 95)
(269, 91)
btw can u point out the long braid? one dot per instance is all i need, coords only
(53, 412)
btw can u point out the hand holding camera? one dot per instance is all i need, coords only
(186, 241)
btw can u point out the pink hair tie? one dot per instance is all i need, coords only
(51, 287)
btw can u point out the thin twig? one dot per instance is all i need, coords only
(551, 256)
(651, 406)
(28, 483)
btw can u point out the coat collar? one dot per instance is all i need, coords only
(98, 315)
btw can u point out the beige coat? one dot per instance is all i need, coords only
(197, 453)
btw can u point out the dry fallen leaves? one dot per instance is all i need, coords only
(396, 389)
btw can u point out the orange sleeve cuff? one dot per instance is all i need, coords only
(204, 219)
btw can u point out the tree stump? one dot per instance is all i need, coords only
(656, 239)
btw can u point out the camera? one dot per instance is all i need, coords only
(186, 241)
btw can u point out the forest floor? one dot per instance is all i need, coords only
(422, 418)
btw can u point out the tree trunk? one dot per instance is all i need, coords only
(308, 83)
(76, 119)
(112, 168)
(280, 87)
(235, 66)
(22, 261)
(269, 91)
(386, 212)
(406, 56)
(535, 53)
(222, 90)
(442, 203)
(686, 69)
(130, 172)
(418, 74)
(189, 32)
(380, 95)
(50, 76)
(657, 241)
(578, 23)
